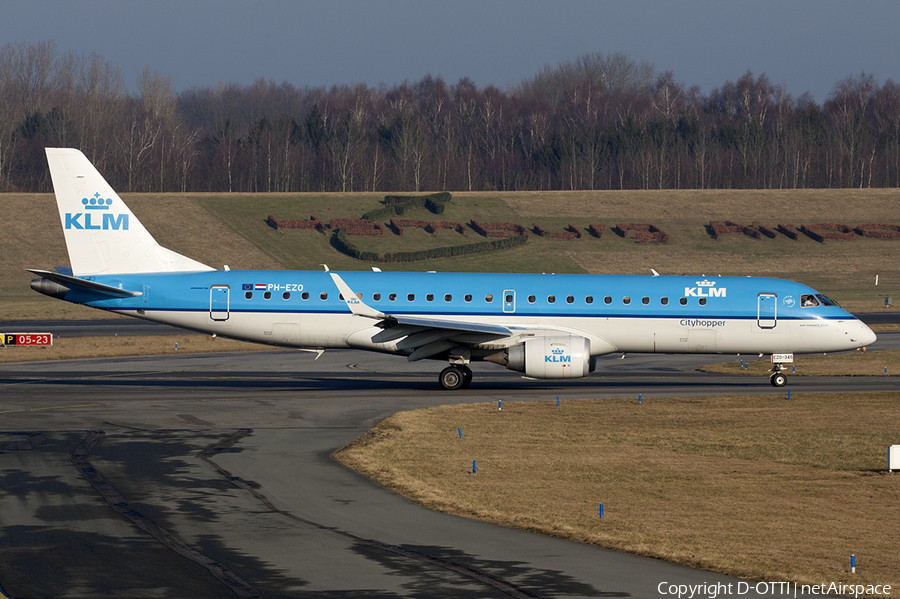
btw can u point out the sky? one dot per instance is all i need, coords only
(803, 45)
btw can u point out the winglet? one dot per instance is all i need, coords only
(356, 305)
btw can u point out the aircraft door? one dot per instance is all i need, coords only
(219, 302)
(767, 308)
(509, 300)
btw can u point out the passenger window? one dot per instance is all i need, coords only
(626, 300)
(645, 300)
(809, 301)
(376, 297)
(683, 301)
(248, 295)
(448, 297)
(570, 299)
(392, 297)
(551, 299)
(286, 295)
(607, 300)
(429, 297)
(488, 298)
(411, 297)
(702, 301)
(304, 295)
(267, 295)
(531, 299)
(323, 296)
(509, 298)
(589, 300)
(664, 301)
(468, 297)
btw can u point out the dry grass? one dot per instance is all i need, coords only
(852, 206)
(853, 364)
(67, 348)
(757, 487)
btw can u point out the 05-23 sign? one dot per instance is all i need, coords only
(27, 339)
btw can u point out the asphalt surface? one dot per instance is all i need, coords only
(210, 476)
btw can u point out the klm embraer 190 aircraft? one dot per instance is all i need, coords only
(544, 325)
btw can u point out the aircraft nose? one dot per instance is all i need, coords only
(862, 335)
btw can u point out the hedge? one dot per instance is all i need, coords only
(790, 231)
(398, 225)
(835, 231)
(397, 205)
(343, 243)
(764, 230)
(596, 230)
(499, 229)
(879, 230)
(312, 223)
(570, 233)
(724, 227)
(643, 232)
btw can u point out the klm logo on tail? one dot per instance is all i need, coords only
(93, 219)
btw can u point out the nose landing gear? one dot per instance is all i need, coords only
(777, 378)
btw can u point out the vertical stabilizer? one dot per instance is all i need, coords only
(102, 234)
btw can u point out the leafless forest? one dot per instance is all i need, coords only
(598, 122)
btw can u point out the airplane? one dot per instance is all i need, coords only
(547, 326)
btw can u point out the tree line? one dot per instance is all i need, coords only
(602, 121)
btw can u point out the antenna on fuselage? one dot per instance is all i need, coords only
(655, 274)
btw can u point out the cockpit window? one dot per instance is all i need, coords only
(826, 301)
(809, 301)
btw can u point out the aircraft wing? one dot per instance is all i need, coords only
(425, 336)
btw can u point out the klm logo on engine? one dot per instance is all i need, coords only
(704, 288)
(94, 218)
(558, 356)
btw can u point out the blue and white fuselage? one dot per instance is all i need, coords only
(545, 325)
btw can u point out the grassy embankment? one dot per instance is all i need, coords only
(230, 229)
(751, 486)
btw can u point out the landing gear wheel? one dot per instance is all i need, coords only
(452, 378)
(778, 380)
(467, 376)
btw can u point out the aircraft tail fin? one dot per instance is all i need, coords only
(102, 234)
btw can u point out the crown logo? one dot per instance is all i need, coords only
(557, 351)
(96, 202)
(706, 283)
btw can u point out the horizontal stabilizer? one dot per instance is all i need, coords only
(84, 285)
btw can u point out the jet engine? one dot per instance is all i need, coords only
(562, 357)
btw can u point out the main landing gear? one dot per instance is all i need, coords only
(455, 377)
